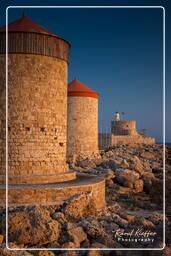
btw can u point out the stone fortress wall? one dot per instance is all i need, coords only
(119, 140)
(124, 132)
(82, 126)
(123, 127)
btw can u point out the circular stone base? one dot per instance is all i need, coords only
(38, 179)
(55, 192)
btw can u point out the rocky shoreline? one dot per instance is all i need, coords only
(132, 217)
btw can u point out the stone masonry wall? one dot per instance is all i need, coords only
(123, 127)
(131, 140)
(82, 138)
(37, 105)
(51, 194)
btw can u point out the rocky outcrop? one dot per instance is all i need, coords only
(134, 185)
(34, 226)
(78, 206)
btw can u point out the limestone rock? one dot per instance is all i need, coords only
(69, 245)
(93, 253)
(77, 235)
(34, 226)
(137, 166)
(124, 190)
(93, 228)
(70, 253)
(135, 186)
(120, 221)
(79, 205)
(86, 163)
(6, 252)
(149, 176)
(1, 239)
(138, 186)
(156, 218)
(109, 153)
(124, 164)
(123, 175)
(108, 174)
(149, 155)
(147, 223)
(109, 164)
(45, 253)
(60, 217)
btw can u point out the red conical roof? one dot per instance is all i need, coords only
(24, 24)
(77, 89)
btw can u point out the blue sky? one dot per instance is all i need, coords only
(116, 52)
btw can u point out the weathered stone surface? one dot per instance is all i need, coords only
(138, 186)
(149, 155)
(79, 206)
(33, 227)
(93, 253)
(123, 175)
(82, 126)
(148, 176)
(77, 235)
(56, 193)
(6, 252)
(147, 223)
(69, 245)
(109, 164)
(108, 174)
(60, 217)
(37, 114)
(156, 218)
(120, 221)
(86, 163)
(137, 166)
(124, 164)
(1, 239)
(45, 253)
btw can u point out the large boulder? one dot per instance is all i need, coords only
(124, 175)
(110, 164)
(77, 235)
(33, 226)
(95, 231)
(86, 163)
(150, 155)
(78, 206)
(108, 174)
(136, 165)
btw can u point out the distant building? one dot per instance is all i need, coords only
(122, 132)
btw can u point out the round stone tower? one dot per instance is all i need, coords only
(37, 119)
(37, 102)
(82, 138)
(123, 127)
